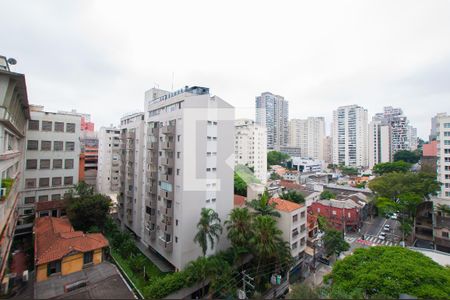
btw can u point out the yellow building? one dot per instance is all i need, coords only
(60, 250)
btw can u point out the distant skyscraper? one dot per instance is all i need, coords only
(328, 149)
(443, 139)
(434, 125)
(108, 181)
(309, 135)
(379, 143)
(250, 147)
(272, 112)
(412, 137)
(350, 136)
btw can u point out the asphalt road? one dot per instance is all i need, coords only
(375, 227)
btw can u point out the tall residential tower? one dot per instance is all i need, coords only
(308, 135)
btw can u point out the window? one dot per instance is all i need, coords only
(56, 181)
(53, 267)
(43, 198)
(178, 171)
(70, 146)
(178, 138)
(46, 145)
(294, 218)
(56, 197)
(30, 183)
(31, 164)
(58, 146)
(59, 126)
(333, 212)
(32, 145)
(302, 242)
(33, 125)
(294, 245)
(88, 257)
(70, 127)
(29, 200)
(178, 154)
(44, 182)
(57, 164)
(176, 239)
(445, 234)
(68, 180)
(303, 228)
(68, 164)
(302, 214)
(44, 164)
(47, 125)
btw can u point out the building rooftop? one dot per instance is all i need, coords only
(430, 150)
(55, 238)
(285, 205)
(340, 203)
(103, 282)
(48, 205)
(239, 200)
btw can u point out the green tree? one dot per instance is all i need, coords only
(334, 242)
(389, 167)
(89, 211)
(240, 187)
(387, 272)
(348, 170)
(275, 176)
(81, 190)
(293, 196)
(392, 185)
(267, 239)
(407, 156)
(239, 227)
(327, 195)
(276, 158)
(263, 206)
(209, 229)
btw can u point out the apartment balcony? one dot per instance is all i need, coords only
(168, 246)
(152, 234)
(167, 161)
(154, 131)
(152, 145)
(442, 242)
(168, 178)
(170, 129)
(169, 211)
(442, 222)
(165, 194)
(130, 135)
(152, 189)
(167, 145)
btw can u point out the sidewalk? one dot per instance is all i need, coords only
(162, 265)
(317, 279)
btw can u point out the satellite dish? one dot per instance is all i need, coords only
(12, 61)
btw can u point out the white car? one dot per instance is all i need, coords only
(394, 216)
(386, 227)
(382, 236)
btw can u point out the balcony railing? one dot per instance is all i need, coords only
(170, 129)
(168, 246)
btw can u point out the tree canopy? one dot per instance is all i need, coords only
(87, 210)
(327, 195)
(276, 158)
(389, 167)
(407, 156)
(243, 175)
(209, 229)
(293, 196)
(348, 170)
(387, 272)
(334, 242)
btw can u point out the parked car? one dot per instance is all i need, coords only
(382, 236)
(387, 227)
(394, 216)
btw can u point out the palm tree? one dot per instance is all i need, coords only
(263, 206)
(266, 238)
(209, 229)
(239, 227)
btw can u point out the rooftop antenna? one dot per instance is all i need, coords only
(172, 80)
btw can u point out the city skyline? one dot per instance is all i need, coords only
(91, 61)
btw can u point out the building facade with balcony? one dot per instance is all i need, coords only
(132, 145)
(14, 113)
(308, 135)
(52, 153)
(251, 147)
(108, 175)
(350, 136)
(189, 165)
(293, 224)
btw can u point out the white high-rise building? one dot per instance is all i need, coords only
(308, 135)
(189, 165)
(52, 158)
(132, 144)
(108, 176)
(272, 112)
(14, 113)
(379, 143)
(412, 137)
(250, 147)
(443, 162)
(350, 136)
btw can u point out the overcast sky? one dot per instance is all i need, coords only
(100, 56)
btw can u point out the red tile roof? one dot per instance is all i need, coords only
(285, 205)
(48, 205)
(430, 149)
(312, 220)
(239, 200)
(55, 238)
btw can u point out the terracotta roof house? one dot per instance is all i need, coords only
(239, 201)
(61, 250)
